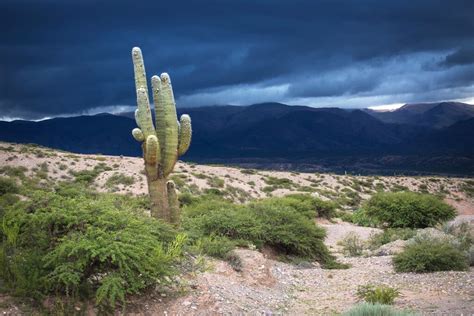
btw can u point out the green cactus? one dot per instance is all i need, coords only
(162, 144)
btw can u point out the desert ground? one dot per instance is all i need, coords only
(265, 285)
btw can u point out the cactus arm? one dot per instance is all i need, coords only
(185, 133)
(170, 148)
(137, 118)
(144, 113)
(138, 135)
(159, 112)
(152, 150)
(139, 69)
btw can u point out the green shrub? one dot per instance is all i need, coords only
(213, 191)
(367, 309)
(84, 245)
(468, 188)
(361, 218)
(179, 180)
(214, 246)
(236, 193)
(390, 234)
(377, 294)
(119, 178)
(88, 176)
(352, 245)
(351, 198)
(18, 172)
(278, 183)
(8, 185)
(406, 209)
(399, 188)
(303, 204)
(306, 204)
(428, 255)
(326, 209)
(215, 182)
(345, 216)
(248, 171)
(262, 223)
(269, 189)
(185, 199)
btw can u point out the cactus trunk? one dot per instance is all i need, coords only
(161, 144)
(158, 192)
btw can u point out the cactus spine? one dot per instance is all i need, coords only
(163, 142)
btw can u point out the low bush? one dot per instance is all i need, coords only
(80, 244)
(284, 227)
(350, 198)
(18, 172)
(214, 246)
(367, 309)
(8, 185)
(88, 176)
(464, 233)
(429, 255)
(119, 178)
(216, 182)
(377, 294)
(468, 188)
(352, 245)
(404, 209)
(307, 205)
(390, 234)
(278, 183)
(248, 171)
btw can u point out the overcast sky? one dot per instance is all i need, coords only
(71, 57)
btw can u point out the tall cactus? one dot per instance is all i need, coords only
(162, 144)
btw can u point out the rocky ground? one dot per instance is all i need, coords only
(265, 286)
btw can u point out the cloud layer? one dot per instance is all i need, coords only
(63, 57)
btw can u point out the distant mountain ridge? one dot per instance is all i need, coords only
(263, 134)
(435, 115)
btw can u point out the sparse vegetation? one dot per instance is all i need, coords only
(389, 235)
(8, 185)
(214, 246)
(429, 255)
(88, 176)
(404, 209)
(278, 183)
(367, 309)
(215, 182)
(352, 245)
(119, 178)
(248, 171)
(14, 171)
(380, 294)
(468, 188)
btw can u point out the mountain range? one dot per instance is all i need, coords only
(416, 138)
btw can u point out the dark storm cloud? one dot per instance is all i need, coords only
(62, 57)
(462, 56)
